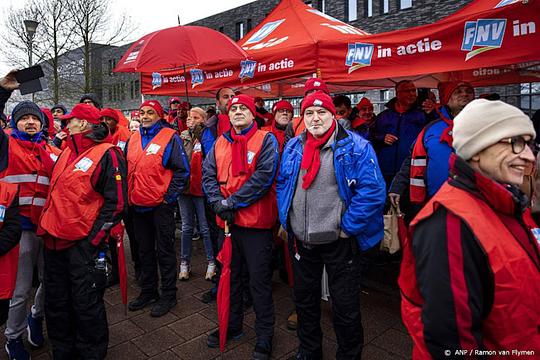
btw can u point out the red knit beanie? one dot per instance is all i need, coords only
(364, 102)
(111, 113)
(244, 100)
(282, 104)
(154, 104)
(446, 88)
(318, 98)
(316, 84)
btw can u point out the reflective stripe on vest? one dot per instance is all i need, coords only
(25, 200)
(27, 178)
(515, 315)
(418, 182)
(10, 260)
(30, 165)
(262, 213)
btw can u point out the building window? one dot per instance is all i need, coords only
(123, 92)
(137, 88)
(110, 93)
(353, 12)
(249, 26)
(385, 6)
(132, 90)
(405, 4)
(368, 8)
(239, 30)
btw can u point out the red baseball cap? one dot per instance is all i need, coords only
(83, 112)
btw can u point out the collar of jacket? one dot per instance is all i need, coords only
(154, 129)
(24, 136)
(227, 134)
(504, 198)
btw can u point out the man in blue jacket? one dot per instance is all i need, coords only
(331, 196)
(426, 169)
(396, 128)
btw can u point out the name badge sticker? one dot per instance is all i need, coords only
(121, 145)
(197, 147)
(152, 149)
(2, 213)
(83, 165)
(250, 157)
(536, 234)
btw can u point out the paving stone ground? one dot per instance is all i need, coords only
(182, 333)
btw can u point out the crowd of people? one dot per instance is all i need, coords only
(312, 189)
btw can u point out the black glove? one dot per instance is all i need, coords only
(227, 216)
(219, 208)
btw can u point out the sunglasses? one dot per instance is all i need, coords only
(518, 144)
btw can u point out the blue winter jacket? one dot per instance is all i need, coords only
(405, 126)
(360, 185)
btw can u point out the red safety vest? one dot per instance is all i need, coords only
(10, 261)
(298, 125)
(419, 158)
(148, 179)
(261, 214)
(515, 315)
(30, 165)
(73, 205)
(120, 137)
(195, 170)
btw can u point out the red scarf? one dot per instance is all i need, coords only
(311, 160)
(446, 135)
(239, 150)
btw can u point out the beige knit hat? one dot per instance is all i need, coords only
(483, 123)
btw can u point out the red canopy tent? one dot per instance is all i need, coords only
(283, 51)
(497, 34)
(488, 42)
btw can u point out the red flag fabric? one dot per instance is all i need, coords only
(224, 288)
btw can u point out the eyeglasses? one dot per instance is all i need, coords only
(284, 111)
(518, 144)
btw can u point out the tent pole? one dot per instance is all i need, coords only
(185, 83)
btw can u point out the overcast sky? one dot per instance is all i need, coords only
(149, 15)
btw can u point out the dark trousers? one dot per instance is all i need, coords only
(252, 249)
(4, 310)
(342, 261)
(154, 232)
(133, 244)
(74, 308)
(216, 235)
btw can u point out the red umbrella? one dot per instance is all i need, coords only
(178, 47)
(117, 233)
(224, 288)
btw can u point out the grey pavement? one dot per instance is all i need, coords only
(181, 334)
